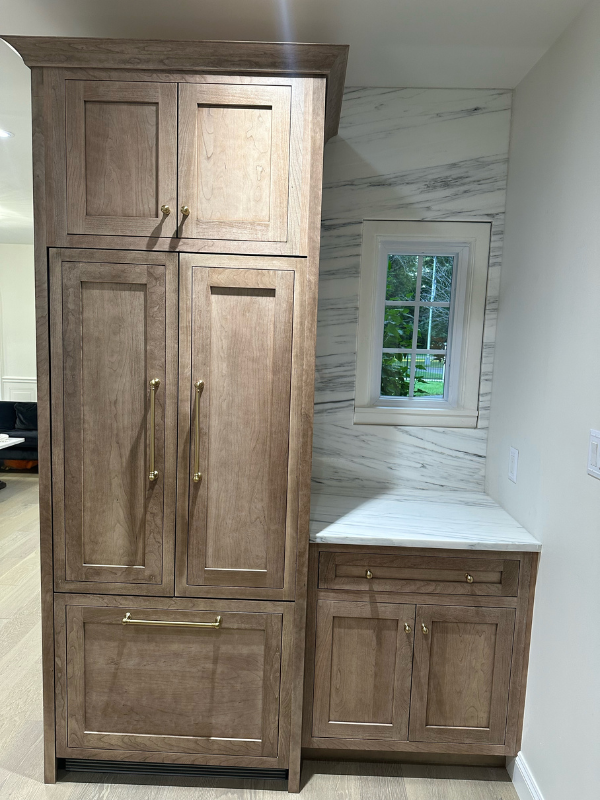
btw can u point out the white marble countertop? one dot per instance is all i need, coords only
(457, 520)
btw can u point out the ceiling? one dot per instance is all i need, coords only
(417, 43)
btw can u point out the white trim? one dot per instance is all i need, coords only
(470, 242)
(523, 780)
(21, 390)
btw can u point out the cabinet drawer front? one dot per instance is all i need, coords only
(167, 687)
(362, 670)
(370, 572)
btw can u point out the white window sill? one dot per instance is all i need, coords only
(424, 417)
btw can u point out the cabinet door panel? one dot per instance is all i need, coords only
(363, 664)
(108, 343)
(461, 674)
(121, 158)
(234, 161)
(165, 687)
(242, 350)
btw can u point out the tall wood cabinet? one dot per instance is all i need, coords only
(177, 215)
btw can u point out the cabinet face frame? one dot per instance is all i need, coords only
(79, 161)
(305, 149)
(73, 741)
(157, 576)
(399, 677)
(424, 683)
(244, 586)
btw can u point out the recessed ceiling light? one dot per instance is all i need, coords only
(5, 134)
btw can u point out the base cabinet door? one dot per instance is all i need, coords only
(461, 674)
(363, 670)
(146, 680)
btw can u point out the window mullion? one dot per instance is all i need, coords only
(413, 357)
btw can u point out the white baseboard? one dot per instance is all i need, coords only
(523, 781)
(20, 390)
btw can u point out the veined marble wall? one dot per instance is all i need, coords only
(431, 154)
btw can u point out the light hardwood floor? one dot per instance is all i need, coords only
(21, 712)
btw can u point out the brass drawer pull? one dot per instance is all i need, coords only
(154, 384)
(165, 210)
(468, 578)
(166, 623)
(424, 628)
(368, 574)
(198, 386)
(407, 627)
(185, 211)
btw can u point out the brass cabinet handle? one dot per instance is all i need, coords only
(369, 574)
(166, 623)
(468, 578)
(165, 210)
(407, 627)
(154, 384)
(185, 210)
(198, 386)
(424, 628)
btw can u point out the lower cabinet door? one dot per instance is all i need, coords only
(146, 680)
(461, 674)
(363, 665)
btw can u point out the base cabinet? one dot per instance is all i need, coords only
(409, 666)
(194, 679)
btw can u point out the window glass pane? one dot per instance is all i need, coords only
(433, 328)
(436, 282)
(401, 277)
(430, 373)
(395, 374)
(398, 327)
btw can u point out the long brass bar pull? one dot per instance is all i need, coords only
(154, 384)
(198, 386)
(166, 623)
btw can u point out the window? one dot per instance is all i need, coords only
(421, 310)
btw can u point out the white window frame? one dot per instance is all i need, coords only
(469, 242)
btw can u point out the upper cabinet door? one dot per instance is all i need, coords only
(235, 431)
(114, 420)
(234, 161)
(121, 158)
(461, 674)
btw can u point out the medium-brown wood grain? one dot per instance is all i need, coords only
(121, 151)
(363, 661)
(328, 60)
(461, 674)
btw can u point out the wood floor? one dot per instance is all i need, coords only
(21, 712)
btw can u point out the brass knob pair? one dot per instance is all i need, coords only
(166, 210)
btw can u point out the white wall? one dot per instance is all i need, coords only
(17, 323)
(546, 397)
(429, 154)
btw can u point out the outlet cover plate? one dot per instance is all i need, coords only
(513, 464)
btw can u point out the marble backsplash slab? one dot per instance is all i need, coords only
(431, 154)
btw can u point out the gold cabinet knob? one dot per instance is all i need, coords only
(369, 574)
(185, 210)
(407, 627)
(468, 578)
(424, 628)
(165, 210)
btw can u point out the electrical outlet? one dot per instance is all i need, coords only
(513, 464)
(594, 455)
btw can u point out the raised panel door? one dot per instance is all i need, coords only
(461, 674)
(114, 456)
(234, 161)
(148, 680)
(234, 530)
(363, 661)
(121, 158)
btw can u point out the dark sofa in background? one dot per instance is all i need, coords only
(19, 420)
